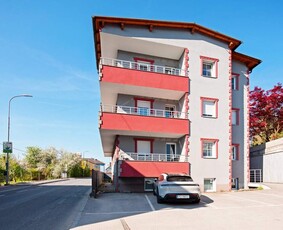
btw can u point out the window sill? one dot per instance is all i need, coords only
(209, 77)
(208, 117)
(209, 157)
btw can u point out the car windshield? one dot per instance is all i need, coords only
(179, 178)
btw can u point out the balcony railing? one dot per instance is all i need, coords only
(143, 111)
(152, 157)
(143, 67)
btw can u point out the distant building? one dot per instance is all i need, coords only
(174, 98)
(95, 164)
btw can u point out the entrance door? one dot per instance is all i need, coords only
(170, 151)
(143, 107)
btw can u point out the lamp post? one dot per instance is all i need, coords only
(9, 111)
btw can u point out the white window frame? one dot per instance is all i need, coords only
(207, 103)
(209, 146)
(234, 152)
(210, 72)
(213, 181)
(235, 117)
(234, 83)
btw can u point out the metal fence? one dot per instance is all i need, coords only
(152, 157)
(143, 111)
(143, 66)
(256, 175)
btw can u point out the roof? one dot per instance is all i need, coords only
(94, 161)
(100, 21)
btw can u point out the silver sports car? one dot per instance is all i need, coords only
(176, 187)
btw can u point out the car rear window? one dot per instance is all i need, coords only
(179, 178)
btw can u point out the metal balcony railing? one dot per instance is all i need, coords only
(152, 157)
(143, 66)
(256, 175)
(143, 111)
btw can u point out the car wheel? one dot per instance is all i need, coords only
(158, 198)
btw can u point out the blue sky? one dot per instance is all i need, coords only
(46, 49)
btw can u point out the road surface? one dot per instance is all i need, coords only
(47, 206)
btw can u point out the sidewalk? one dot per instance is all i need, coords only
(30, 183)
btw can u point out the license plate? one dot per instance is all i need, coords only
(182, 196)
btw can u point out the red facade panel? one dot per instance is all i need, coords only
(143, 78)
(114, 121)
(151, 169)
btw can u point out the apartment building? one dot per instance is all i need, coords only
(174, 98)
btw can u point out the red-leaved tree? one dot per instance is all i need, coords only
(266, 114)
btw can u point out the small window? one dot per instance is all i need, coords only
(235, 81)
(209, 148)
(235, 116)
(235, 152)
(209, 107)
(235, 183)
(209, 185)
(209, 67)
(143, 64)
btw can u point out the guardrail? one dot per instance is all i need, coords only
(143, 66)
(256, 175)
(152, 157)
(143, 111)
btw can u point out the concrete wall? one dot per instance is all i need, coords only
(269, 158)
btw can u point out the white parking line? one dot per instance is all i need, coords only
(112, 213)
(149, 202)
(246, 199)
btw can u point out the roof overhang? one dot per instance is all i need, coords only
(250, 62)
(99, 22)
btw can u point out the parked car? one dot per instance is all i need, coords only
(176, 187)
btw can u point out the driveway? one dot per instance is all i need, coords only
(246, 210)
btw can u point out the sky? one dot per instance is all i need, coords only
(47, 51)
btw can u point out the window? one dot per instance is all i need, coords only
(209, 107)
(235, 152)
(209, 67)
(235, 116)
(209, 148)
(235, 81)
(143, 64)
(235, 183)
(209, 185)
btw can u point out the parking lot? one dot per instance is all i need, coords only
(258, 209)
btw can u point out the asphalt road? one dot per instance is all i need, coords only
(48, 206)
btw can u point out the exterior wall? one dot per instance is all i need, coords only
(268, 157)
(127, 144)
(200, 127)
(239, 132)
(129, 56)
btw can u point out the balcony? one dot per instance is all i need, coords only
(143, 111)
(152, 157)
(143, 67)
(141, 122)
(133, 78)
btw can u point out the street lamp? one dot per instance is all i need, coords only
(9, 111)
